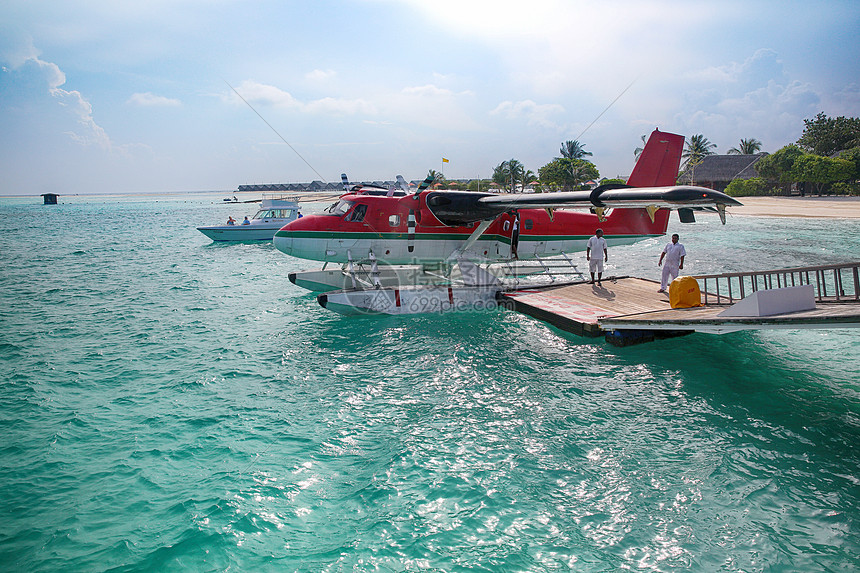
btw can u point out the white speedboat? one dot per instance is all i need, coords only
(274, 213)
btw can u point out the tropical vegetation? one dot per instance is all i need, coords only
(512, 176)
(574, 150)
(696, 149)
(747, 147)
(825, 160)
(567, 174)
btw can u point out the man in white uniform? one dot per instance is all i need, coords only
(595, 254)
(674, 253)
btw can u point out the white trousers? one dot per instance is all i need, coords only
(668, 270)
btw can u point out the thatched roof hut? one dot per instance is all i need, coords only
(717, 171)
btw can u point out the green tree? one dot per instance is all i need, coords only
(567, 174)
(479, 185)
(438, 176)
(778, 166)
(574, 150)
(512, 175)
(851, 187)
(853, 155)
(747, 147)
(757, 186)
(820, 171)
(696, 149)
(825, 135)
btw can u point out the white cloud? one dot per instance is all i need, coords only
(533, 113)
(431, 106)
(762, 66)
(254, 92)
(79, 108)
(92, 134)
(845, 102)
(52, 73)
(329, 105)
(429, 90)
(752, 98)
(149, 99)
(320, 75)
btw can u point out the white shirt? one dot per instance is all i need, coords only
(597, 246)
(674, 252)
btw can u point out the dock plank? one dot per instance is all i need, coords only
(579, 307)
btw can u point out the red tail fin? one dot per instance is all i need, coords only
(659, 161)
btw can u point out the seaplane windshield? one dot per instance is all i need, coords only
(340, 208)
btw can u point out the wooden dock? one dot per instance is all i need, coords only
(628, 310)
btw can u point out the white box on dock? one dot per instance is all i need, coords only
(770, 302)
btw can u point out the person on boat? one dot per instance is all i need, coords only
(674, 253)
(231, 221)
(246, 221)
(596, 253)
(515, 235)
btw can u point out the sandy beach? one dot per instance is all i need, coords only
(824, 207)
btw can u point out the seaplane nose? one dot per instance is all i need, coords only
(283, 240)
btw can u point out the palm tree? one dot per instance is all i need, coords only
(511, 174)
(697, 148)
(574, 150)
(747, 147)
(515, 172)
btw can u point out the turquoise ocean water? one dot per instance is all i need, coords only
(171, 404)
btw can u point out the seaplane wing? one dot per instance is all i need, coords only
(462, 208)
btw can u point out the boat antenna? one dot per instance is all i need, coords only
(276, 131)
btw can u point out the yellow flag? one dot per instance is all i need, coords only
(444, 160)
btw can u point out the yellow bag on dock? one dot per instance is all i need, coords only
(684, 293)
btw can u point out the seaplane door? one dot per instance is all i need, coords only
(502, 248)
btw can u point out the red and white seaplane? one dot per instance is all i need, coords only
(406, 252)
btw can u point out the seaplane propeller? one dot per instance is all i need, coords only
(424, 185)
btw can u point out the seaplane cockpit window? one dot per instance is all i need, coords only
(394, 221)
(357, 214)
(340, 207)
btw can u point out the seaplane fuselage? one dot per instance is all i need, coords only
(405, 230)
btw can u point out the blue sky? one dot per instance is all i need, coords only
(133, 97)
